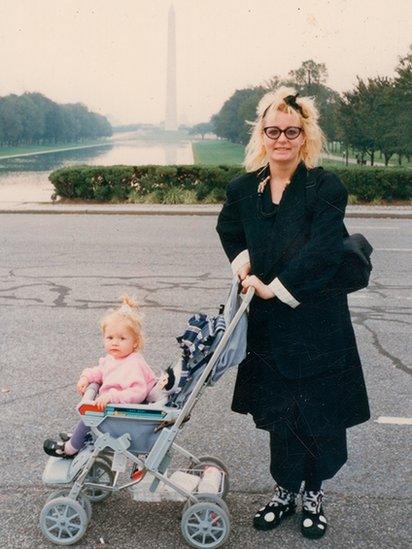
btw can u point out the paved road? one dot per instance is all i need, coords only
(58, 275)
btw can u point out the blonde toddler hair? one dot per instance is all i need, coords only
(256, 156)
(129, 314)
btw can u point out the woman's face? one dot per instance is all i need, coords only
(282, 150)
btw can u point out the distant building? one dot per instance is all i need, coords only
(171, 99)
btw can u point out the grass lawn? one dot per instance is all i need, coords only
(217, 152)
(24, 149)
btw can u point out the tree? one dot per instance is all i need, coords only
(368, 117)
(231, 121)
(402, 97)
(309, 73)
(309, 80)
(33, 118)
(203, 128)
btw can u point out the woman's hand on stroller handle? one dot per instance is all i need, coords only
(244, 271)
(261, 289)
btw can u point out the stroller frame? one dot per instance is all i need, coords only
(214, 521)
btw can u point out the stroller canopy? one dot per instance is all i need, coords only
(199, 341)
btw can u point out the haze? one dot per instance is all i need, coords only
(112, 55)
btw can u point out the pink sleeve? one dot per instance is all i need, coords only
(95, 374)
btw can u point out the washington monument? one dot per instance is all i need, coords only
(171, 106)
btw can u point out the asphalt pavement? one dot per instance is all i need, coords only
(60, 273)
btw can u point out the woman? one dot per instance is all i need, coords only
(302, 378)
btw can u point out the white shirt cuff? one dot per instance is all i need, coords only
(240, 260)
(282, 293)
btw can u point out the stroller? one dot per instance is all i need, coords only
(142, 437)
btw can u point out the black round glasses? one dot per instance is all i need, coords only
(273, 132)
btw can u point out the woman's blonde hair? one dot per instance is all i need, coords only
(314, 143)
(129, 314)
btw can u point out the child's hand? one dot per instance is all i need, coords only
(101, 402)
(82, 385)
(161, 384)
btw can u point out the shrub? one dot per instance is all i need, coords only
(367, 183)
(181, 184)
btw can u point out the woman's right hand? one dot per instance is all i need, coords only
(82, 385)
(244, 271)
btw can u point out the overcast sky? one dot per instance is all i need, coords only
(111, 54)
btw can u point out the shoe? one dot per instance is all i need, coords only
(282, 505)
(313, 525)
(65, 436)
(55, 449)
(272, 515)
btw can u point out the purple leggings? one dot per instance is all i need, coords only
(79, 435)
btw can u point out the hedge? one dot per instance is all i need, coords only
(199, 183)
(122, 183)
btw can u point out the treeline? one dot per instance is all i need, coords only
(33, 119)
(133, 127)
(375, 116)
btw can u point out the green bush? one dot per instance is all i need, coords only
(207, 184)
(128, 183)
(369, 183)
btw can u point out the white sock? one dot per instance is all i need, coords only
(312, 501)
(70, 450)
(283, 496)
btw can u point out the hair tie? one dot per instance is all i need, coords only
(290, 100)
(126, 310)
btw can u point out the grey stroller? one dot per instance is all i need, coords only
(141, 437)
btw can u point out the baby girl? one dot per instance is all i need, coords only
(123, 374)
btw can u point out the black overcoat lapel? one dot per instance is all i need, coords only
(290, 221)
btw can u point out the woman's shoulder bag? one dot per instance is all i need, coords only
(355, 269)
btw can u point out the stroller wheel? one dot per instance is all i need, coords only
(100, 473)
(211, 498)
(216, 462)
(63, 521)
(81, 498)
(205, 525)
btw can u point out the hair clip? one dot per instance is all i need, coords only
(291, 101)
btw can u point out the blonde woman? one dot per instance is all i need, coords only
(302, 378)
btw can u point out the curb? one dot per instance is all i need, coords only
(391, 214)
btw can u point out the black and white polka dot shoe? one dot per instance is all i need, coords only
(281, 506)
(314, 523)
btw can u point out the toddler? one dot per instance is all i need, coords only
(123, 374)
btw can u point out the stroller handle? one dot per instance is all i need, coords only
(89, 394)
(247, 298)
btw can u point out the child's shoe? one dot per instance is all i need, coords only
(314, 522)
(282, 505)
(56, 449)
(65, 436)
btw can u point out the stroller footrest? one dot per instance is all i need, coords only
(57, 471)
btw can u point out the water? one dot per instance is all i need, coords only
(25, 179)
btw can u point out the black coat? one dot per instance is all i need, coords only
(303, 251)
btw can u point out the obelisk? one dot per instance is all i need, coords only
(171, 102)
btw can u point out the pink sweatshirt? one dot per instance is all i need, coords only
(126, 380)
